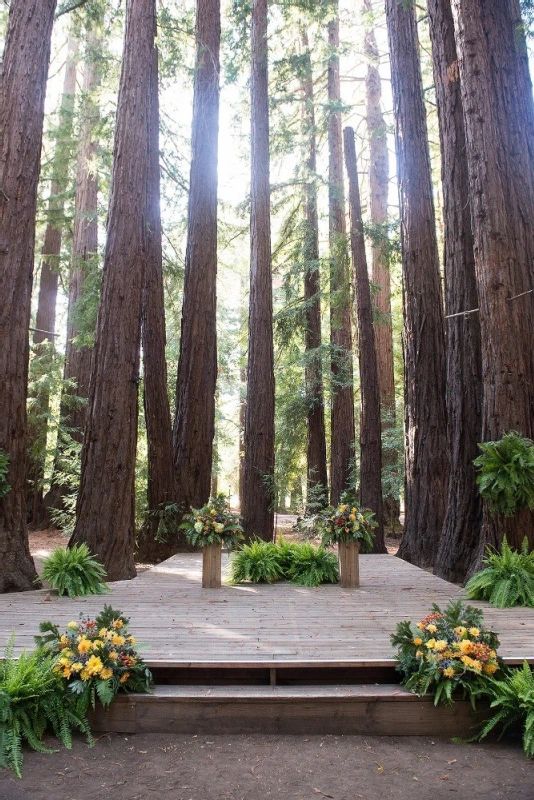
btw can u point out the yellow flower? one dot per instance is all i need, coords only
(77, 666)
(73, 625)
(118, 623)
(66, 672)
(353, 510)
(466, 660)
(84, 645)
(125, 677)
(113, 655)
(492, 654)
(417, 640)
(102, 631)
(476, 665)
(430, 644)
(64, 661)
(117, 640)
(343, 508)
(132, 639)
(106, 673)
(63, 639)
(85, 675)
(419, 653)
(97, 643)
(460, 630)
(94, 665)
(449, 672)
(352, 517)
(474, 631)
(431, 628)
(67, 653)
(213, 511)
(465, 646)
(420, 626)
(490, 669)
(440, 646)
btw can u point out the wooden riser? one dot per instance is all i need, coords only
(384, 710)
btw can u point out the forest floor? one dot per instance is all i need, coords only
(138, 767)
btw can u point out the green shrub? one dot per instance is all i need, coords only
(506, 474)
(507, 580)
(33, 699)
(311, 566)
(74, 572)
(257, 562)
(513, 700)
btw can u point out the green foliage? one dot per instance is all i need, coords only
(513, 699)
(212, 524)
(507, 580)
(346, 522)
(4, 468)
(33, 699)
(506, 474)
(311, 566)
(74, 571)
(446, 651)
(257, 562)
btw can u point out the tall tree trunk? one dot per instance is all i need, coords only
(370, 421)
(317, 476)
(194, 424)
(242, 414)
(105, 512)
(258, 468)
(424, 346)
(45, 322)
(499, 131)
(461, 530)
(161, 489)
(342, 412)
(378, 207)
(23, 74)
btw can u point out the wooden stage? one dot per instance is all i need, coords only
(325, 651)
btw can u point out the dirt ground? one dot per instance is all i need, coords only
(283, 767)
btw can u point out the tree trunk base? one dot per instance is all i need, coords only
(211, 566)
(349, 567)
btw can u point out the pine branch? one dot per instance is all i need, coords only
(70, 8)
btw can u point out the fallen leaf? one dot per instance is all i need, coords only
(379, 767)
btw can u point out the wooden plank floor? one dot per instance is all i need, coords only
(262, 625)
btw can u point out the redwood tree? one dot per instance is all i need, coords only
(342, 393)
(499, 132)
(370, 422)
(23, 74)
(105, 515)
(461, 530)
(317, 477)
(258, 467)
(194, 424)
(424, 346)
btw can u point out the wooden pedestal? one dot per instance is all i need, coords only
(211, 566)
(349, 568)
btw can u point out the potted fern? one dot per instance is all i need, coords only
(351, 528)
(210, 527)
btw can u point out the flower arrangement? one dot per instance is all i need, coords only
(97, 657)
(347, 523)
(214, 523)
(445, 651)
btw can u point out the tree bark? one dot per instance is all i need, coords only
(317, 476)
(378, 207)
(370, 421)
(105, 513)
(258, 468)
(499, 130)
(342, 411)
(23, 74)
(461, 531)
(424, 346)
(194, 424)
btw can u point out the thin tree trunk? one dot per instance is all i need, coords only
(499, 131)
(342, 411)
(424, 346)
(105, 512)
(317, 477)
(378, 207)
(23, 74)
(258, 467)
(242, 414)
(161, 489)
(194, 424)
(370, 421)
(463, 519)
(45, 322)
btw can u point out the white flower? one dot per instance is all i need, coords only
(198, 527)
(219, 527)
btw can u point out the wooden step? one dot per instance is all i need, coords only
(385, 709)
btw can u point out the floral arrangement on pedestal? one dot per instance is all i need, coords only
(214, 523)
(97, 657)
(346, 522)
(446, 651)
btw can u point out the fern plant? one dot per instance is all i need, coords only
(507, 580)
(33, 699)
(311, 566)
(506, 474)
(74, 571)
(513, 701)
(257, 562)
